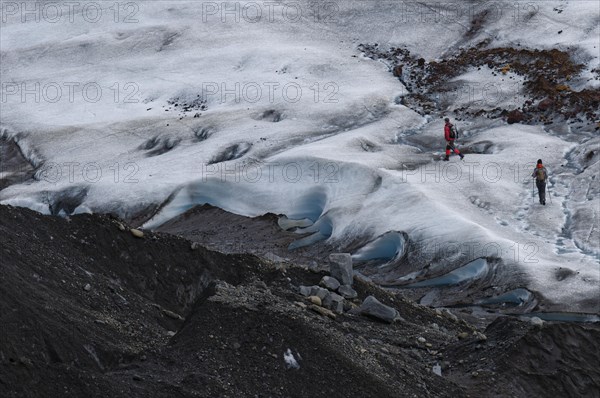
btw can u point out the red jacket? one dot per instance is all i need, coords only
(447, 128)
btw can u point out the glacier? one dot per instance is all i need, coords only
(169, 105)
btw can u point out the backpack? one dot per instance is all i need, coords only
(541, 174)
(453, 132)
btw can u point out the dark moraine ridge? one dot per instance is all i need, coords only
(88, 309)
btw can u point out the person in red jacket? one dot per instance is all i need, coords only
(450, 136)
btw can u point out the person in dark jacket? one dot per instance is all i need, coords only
(541, 175)
(450, 136)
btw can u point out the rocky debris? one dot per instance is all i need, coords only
(341, 267)
(462, 335)
(347, 292)
(373, 308)
(547, 74)
(330, 283)
(87, 287)
(241, 315)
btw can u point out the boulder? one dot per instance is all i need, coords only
(330, 283)
(341, 267)
(137, 233)
(334, 302)
(319, 292)
(315, 300)
(515, 116)
(397, 71)
(373, 308)
(347, 292)
(545, 104)
(305, 290)
(322, 311)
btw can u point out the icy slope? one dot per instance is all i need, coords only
(180, 103)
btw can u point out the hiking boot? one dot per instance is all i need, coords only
(462, 156)
(447, 158)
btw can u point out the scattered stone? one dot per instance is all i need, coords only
(435, 326)
(173, 315)
(474, 373)
(322, 311)
(480, 336)
(137, 233)
(450, 315)
(319, 292)
(195, 246)
(236, 346)
(462, 335)
(536, 321)
(428, 345)
(397, 71)
(421, 339)
(545, 104)
(171, 333)
(373, 308)
(347, 292)
(330, 283)
(137, 378)
(334, 302)
(275, 258)
(515, 116)
(300, 304)
(305, 290)
(316, 268)
(437, 369)
(121, 227)
(316, 300)
(87, 287)
(290, 360)
(341, 267)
